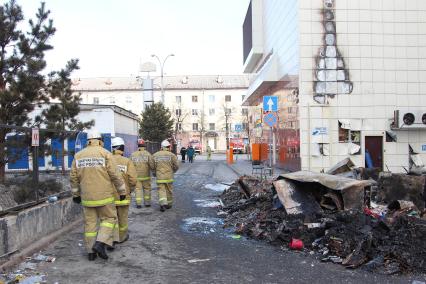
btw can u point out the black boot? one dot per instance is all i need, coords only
(162, 208)
(92, 256)
(110, 248)
(138, 206)
(99, 248)
(168, 206)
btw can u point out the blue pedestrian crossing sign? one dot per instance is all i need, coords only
(270, 119)
(270, 103)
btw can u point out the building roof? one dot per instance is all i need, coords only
(116, 109)
(170, 83)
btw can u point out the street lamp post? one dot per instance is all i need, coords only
(162, 72)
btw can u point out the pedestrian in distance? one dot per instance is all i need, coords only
(191, 153)
(209, 153)
(128, 172)
(144, 164)
(165, 165)
(94, 183)
(183, 153)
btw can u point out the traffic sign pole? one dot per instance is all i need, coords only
(35, 143)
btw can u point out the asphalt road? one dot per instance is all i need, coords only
(187, 244)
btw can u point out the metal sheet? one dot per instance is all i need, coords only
(294, 200)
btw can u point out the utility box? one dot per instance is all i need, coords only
(255, 152)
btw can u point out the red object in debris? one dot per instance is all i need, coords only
(368, 212)
(296, 244)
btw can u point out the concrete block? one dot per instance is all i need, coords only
(29, 225)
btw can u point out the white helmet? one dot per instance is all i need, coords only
(93, 134)
(117, 141)
(165, 143)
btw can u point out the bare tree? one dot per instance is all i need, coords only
(201, 126)
(179, 115)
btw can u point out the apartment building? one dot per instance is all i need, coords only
(207, 109)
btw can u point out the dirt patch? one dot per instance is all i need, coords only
(23, 190)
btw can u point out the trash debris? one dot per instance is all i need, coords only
(198, 260)
(401, 187)
(45, 258)
(236, 237)
(296, 244)
(335, 191)
(52, 199)
(355, 233)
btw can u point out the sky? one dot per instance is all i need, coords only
(111, 38)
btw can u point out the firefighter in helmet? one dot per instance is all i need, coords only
(94, 183)
(127, 169)
(143, 162)
(165, 165)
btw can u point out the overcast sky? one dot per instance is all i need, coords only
(112, 37)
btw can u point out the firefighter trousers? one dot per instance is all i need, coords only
(165, 193)
(143, 188)
(121, 230)
(99, 224)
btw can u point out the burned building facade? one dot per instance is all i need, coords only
(350, 77)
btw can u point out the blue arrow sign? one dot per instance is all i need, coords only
(270, 119)
(270, 103)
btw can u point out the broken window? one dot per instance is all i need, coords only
(391, 136)
(347, 135)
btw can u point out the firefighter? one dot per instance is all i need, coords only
(127, 169)
(165, 165)
(94, 182)
(142, 160)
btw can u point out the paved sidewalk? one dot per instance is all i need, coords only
(244, 167)
(242, 164)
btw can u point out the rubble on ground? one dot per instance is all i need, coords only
(352, 231)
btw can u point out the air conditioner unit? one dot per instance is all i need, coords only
(406, 119)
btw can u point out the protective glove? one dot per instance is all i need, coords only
(122, 197)
(76, 199)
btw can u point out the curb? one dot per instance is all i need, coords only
(234, 170)
(38, 245)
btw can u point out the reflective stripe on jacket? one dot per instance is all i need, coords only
(165, 164)
(128, 172)
(143, 162)
(94, 176)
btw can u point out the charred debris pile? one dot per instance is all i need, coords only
(378, 225)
